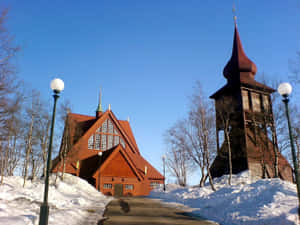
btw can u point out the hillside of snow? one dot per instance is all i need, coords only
(72, 201)
(245, 202)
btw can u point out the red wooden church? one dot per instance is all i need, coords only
(102, 150)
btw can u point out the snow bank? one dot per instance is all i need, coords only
(72, 201)
(245, 202)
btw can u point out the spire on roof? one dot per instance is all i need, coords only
(99, 108)
(234, 13)
(238, 62)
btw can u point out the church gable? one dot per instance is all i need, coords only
(118, 167)
(105, 133)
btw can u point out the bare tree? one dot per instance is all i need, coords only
(66, 144)
(10, 154)
(30, 138)
(193, 139)
(295, 69)
(225, 116)
(201, 134)
(7, 93)
(178, 164)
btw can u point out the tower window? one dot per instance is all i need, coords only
(266, 103)
(245, 100)
(256, 102)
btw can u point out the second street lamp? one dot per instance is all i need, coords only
(164, 167)
(285, 89)
(57, 85)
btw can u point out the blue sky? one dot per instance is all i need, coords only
(147, 55)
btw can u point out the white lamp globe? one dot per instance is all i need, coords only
(100, 153)
(284, 89)
(57, 85)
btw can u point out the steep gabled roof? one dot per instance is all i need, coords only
(110, 156)
(135, 161)
(78, 124)
(126, 126)
(88, 124)
(141, 163)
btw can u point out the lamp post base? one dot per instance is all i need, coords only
(44, 213)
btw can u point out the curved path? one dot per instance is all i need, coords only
(145, 211)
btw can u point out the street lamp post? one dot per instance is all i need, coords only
(57, 85)
(285, 90)
(164, 166)
(100, 155)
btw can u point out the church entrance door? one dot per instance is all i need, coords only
(118, 190)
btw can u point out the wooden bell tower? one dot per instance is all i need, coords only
(244, 122)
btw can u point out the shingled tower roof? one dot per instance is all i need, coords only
(239, 62)
(240, 70)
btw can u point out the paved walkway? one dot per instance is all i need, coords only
(144, 211)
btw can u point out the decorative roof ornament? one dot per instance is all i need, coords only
(234, 13)
(99, 109)
(109, 107)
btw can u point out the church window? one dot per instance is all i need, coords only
(110, 127)
(122, 142)
(110, 141)
(154, 184)
(116, 140)
(107, 186)
(97, 141)
(91, 142)
(256, 102)
(245, 100)
(128, 186)
(266, 103)
(103, 141)
(105, 137)
(104, 126)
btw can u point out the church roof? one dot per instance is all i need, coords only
(229, 87)
(80, 125)
(126, 126)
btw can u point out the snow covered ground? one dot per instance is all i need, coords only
(72, 201)
(246, 202)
